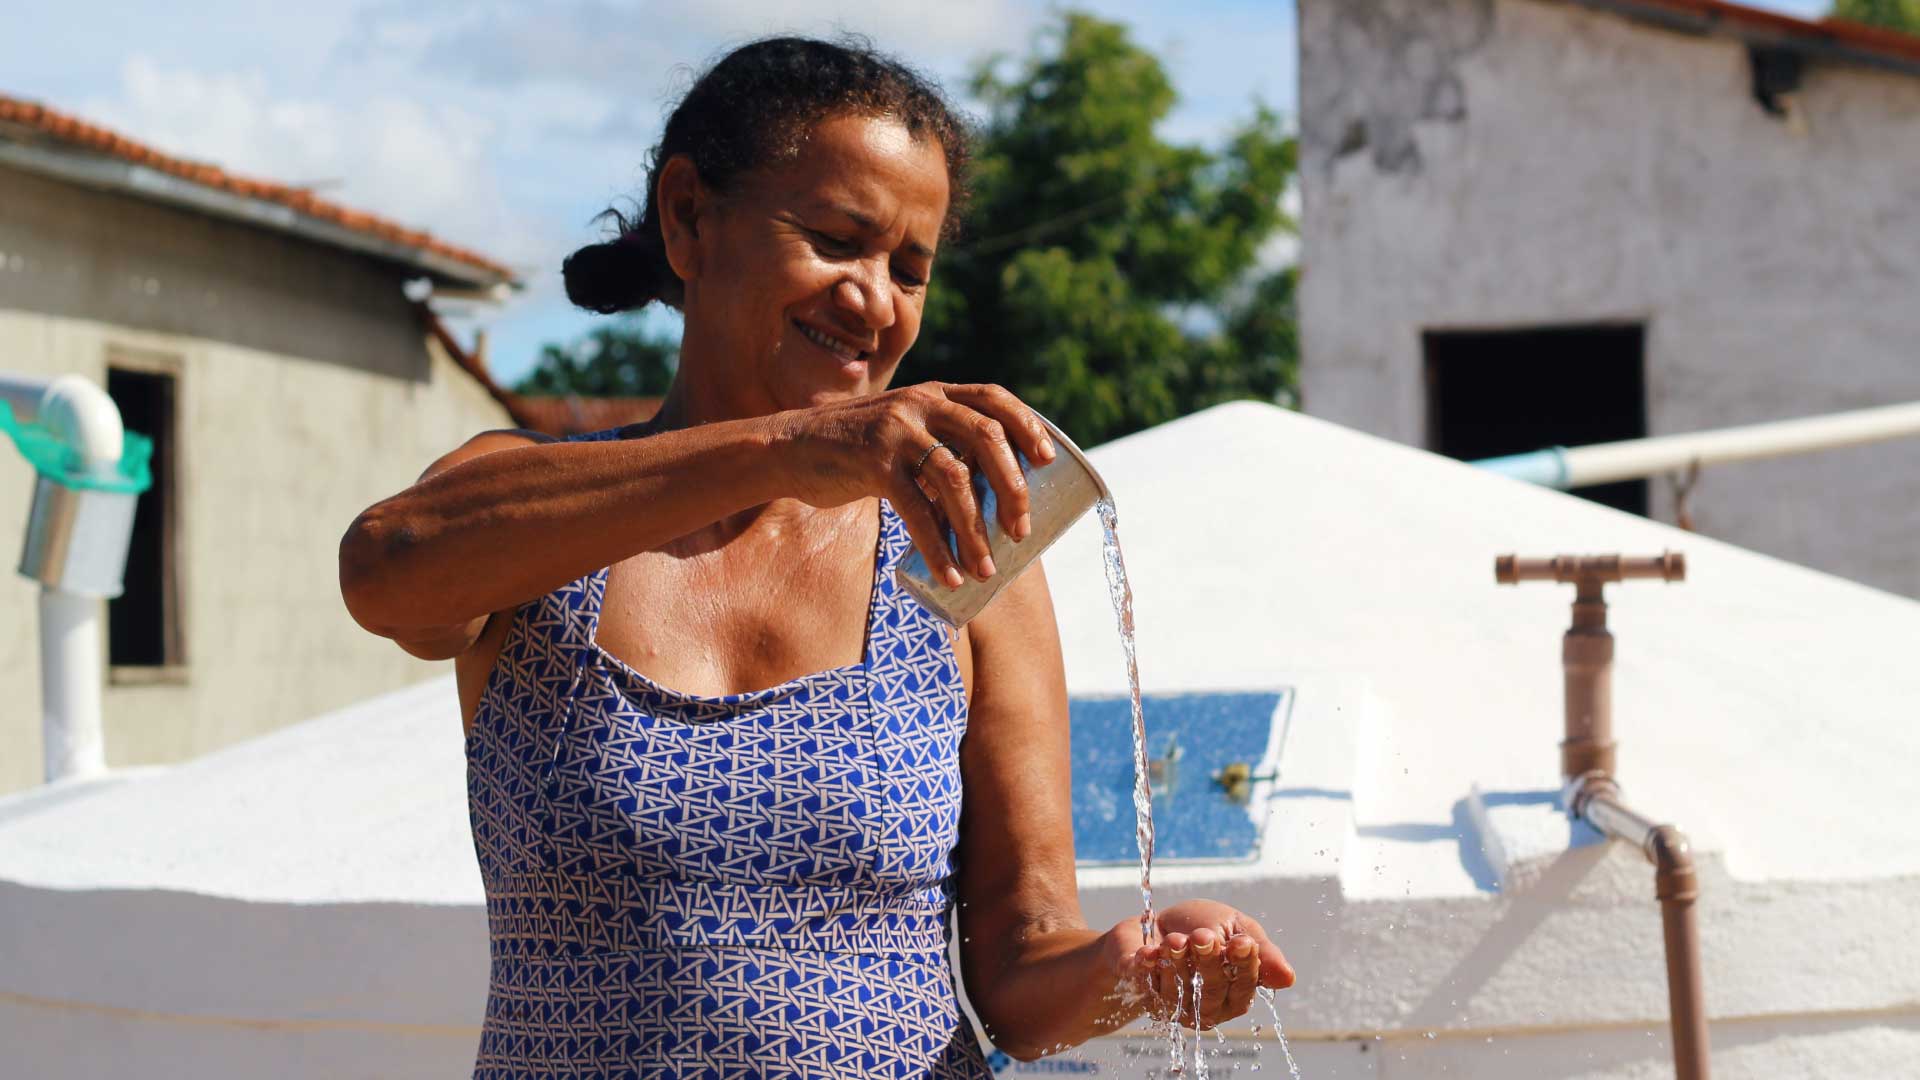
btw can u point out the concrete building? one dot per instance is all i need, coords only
(1541, 222)
(1402, 837)
(261, 336)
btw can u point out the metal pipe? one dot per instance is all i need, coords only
(22, 393)
(1587, 758)
(1601, 463)
(1596, 799)
(1586, 651)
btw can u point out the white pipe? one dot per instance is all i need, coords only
(73, 742)
(82, 414)
(1606, 462)
(71, 668)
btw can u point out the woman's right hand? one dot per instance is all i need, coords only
(877, 445)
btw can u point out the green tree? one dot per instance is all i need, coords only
(1107, 276)
(1892, 14)
(620, 359)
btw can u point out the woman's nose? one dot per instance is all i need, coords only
(868, 293)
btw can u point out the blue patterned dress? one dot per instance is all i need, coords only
(754, 885)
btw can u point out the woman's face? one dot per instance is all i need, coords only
(811, 276)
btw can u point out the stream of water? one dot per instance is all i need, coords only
(1273, 1007)
(1121, 594)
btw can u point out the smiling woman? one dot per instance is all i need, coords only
(715, 755)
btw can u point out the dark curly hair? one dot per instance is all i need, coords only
(750, 108)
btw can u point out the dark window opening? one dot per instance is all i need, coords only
(1512, 391)
(143, 623)
(1776, 78)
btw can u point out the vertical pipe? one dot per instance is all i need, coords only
(84, 417)
(1586, 653)
(1596, 799)
(1675, 885)
(70, 685)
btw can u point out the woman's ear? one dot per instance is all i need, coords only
(684, 200)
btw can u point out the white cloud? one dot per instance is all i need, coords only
(924, 32)
(424, 164)
(634, 51)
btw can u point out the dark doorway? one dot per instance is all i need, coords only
(1510, 391)
(143, 623)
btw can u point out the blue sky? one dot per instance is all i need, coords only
(505, 126)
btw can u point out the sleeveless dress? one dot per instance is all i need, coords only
(752, 885)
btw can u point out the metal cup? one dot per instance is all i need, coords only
(1057, 494)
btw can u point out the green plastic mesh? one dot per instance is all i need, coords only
(62, 463)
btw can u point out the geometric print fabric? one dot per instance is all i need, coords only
(748, 885)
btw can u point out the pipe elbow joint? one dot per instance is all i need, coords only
(1672, 856)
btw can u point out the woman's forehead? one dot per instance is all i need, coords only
(872, 170)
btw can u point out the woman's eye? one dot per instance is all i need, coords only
(834, 245)
(908, 278)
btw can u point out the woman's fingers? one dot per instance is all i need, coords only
(929, 538)
(952, 484)
(1275, 972)
(1023, 426)
(985, 443)
(1242, 972)
(1208, 994)
(1228, 969)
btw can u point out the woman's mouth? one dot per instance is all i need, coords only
(845, 352)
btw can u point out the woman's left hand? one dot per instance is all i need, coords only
(1228, 950)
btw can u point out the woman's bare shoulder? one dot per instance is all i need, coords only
(486, 443)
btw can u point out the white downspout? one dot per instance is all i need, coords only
(71, 667)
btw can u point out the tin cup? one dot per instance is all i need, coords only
(1058, 493)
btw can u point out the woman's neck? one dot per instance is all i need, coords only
(690, 403)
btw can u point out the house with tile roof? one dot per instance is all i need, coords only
(1531, 223)
(260, 334)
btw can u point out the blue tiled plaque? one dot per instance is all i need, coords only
(1194, 819)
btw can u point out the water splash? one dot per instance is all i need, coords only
(1273, 1007)
(1199, 1057)
(1176, 1046)
(1121, 593)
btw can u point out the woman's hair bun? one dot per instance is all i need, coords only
(619, 275)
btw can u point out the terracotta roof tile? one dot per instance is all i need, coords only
(79, 133)
(1872, 41)
(568, 414)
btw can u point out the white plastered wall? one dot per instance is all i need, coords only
(276, 456)
(1485, 164)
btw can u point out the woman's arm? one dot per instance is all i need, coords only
(508, 521)
(1039, 978)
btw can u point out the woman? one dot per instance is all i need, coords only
(715, 756)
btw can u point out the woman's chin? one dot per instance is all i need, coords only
(853, 384)
(828, 395)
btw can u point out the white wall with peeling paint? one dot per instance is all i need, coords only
(1486, 164)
